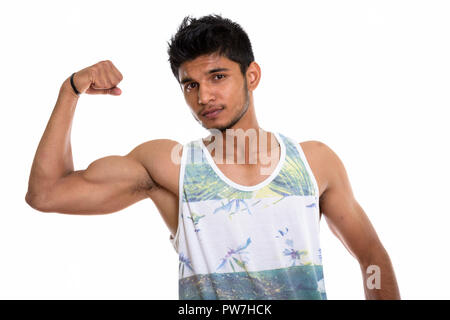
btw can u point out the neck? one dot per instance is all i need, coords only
(250, 145)
(244, 143)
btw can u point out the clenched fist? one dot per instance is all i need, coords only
(100, 78)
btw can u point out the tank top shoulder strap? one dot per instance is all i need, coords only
(296, 157)
(194, 152)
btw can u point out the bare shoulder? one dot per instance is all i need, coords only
(322, 160)
(161, 159)
(315, 149)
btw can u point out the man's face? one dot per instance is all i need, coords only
(212, 82)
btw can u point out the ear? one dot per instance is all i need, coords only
(253, 75)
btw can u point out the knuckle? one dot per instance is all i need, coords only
(99, 83)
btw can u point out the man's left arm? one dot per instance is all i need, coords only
(350, 224)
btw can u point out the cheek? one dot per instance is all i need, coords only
(190, 100)
(238, 98)
(232, 95)
(187, 97)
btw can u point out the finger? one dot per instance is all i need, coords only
(117, 72)
(112, 91)
(111, 78)
(99, 81)
(115, 91)
(116, 76)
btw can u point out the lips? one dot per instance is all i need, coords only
(211, 110)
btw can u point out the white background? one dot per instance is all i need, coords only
(368, 78)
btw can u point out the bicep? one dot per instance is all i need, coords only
(345, 217)
(107, 185)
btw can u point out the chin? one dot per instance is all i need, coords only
(215, 125)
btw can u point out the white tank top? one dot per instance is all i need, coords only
(248, 242)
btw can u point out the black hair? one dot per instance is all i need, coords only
(207, 35)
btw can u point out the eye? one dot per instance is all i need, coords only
(221, 76)
(189, 87)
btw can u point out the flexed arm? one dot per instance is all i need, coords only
(107, 184)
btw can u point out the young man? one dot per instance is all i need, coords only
(244, 217)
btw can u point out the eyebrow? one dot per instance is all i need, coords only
(187, 79)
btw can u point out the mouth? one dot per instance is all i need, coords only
(212, 113)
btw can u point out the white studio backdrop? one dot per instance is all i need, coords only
(368, 78)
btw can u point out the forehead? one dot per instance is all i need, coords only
(201, 65)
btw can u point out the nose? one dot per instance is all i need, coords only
(205, 94)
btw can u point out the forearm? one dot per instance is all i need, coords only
(379, 278)
(53, 158)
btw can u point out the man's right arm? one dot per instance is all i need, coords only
(107, 184)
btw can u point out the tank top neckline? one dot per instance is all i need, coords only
(240, 186)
